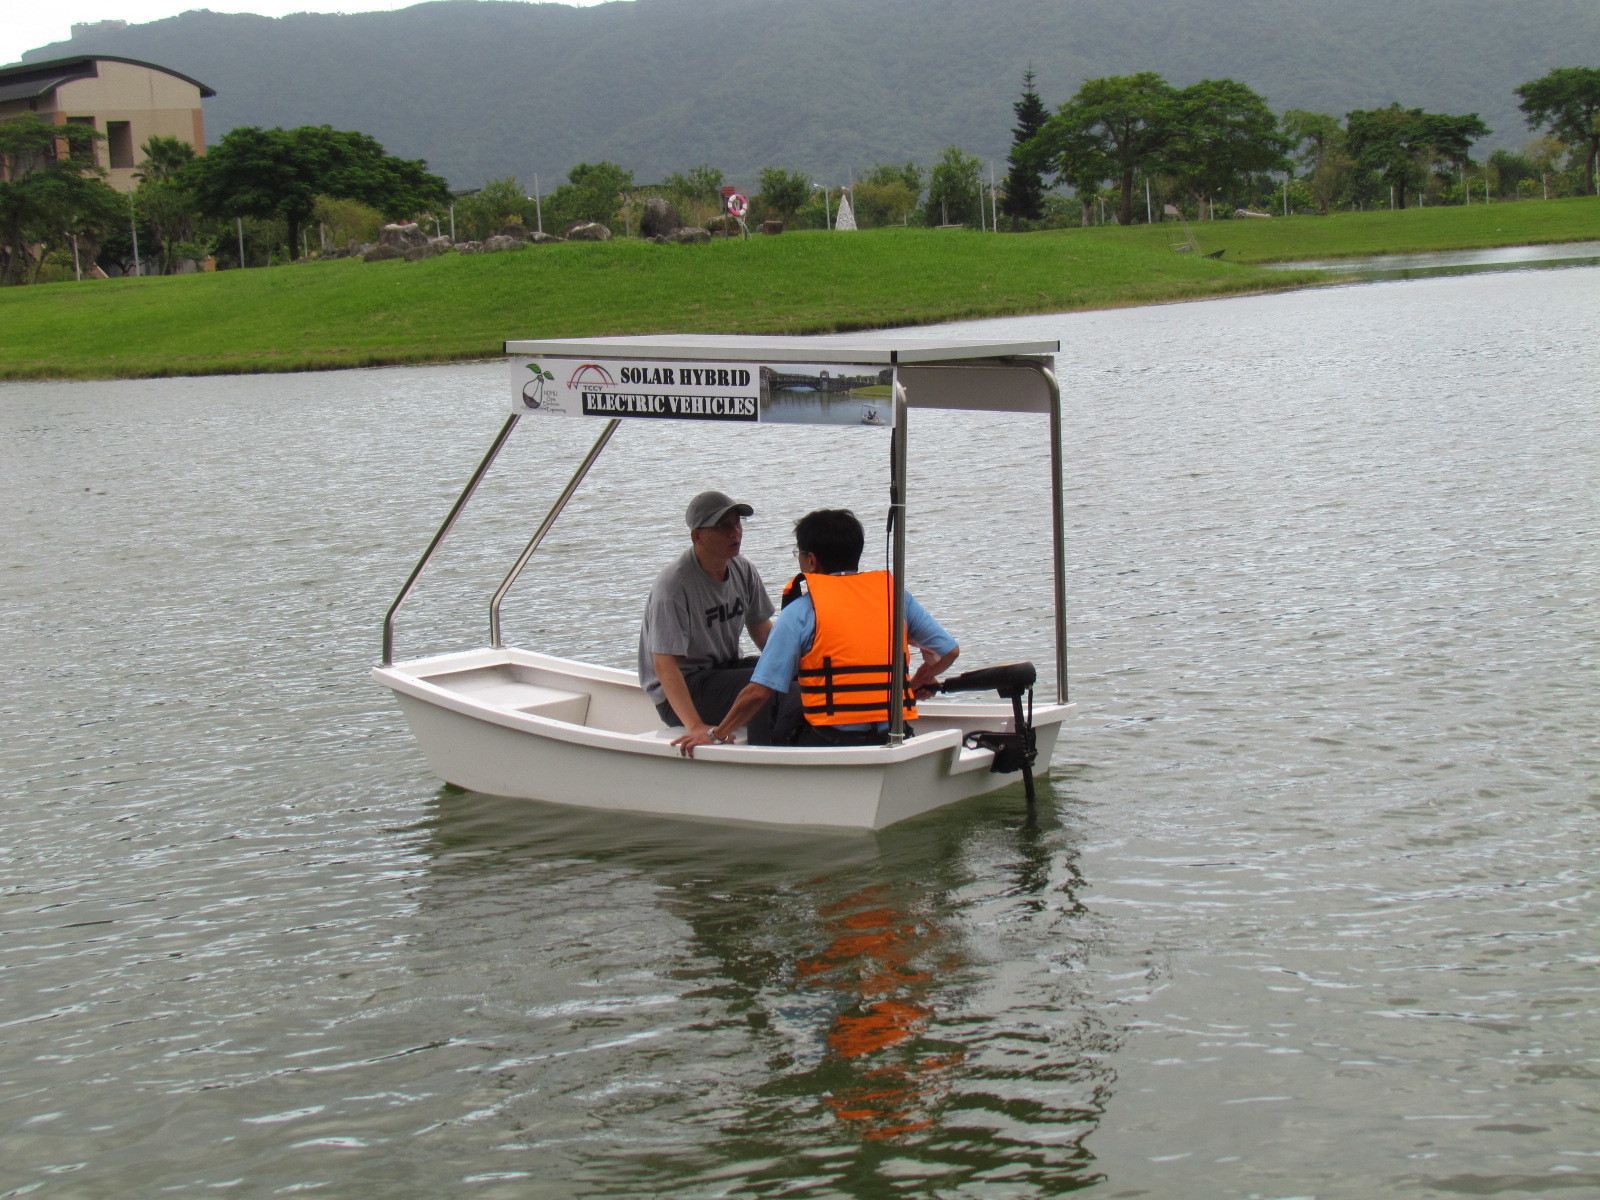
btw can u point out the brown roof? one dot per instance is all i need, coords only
(29, 89)
(24, 81)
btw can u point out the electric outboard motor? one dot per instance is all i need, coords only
(1014, 751)
(1009, 680)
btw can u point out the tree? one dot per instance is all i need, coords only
(163, 200)
(342, 221)
(1122, 126)
(1507, 173)
(255, 172)
(883, 203)
(955, 188)
(696, 192)
(498, 203)
(1317, 142)
(1401, 146)
(164, 159)
(1079, 163)
(887, 194)
(1227, 134)
(887, 174)
(1567, 103)
(1546, 154)
(1025, 181)
(46, 197)
(782, 193)
(593, 192)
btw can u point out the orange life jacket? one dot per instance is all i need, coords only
(846, 676)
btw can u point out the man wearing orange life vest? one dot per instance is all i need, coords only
(833, 640)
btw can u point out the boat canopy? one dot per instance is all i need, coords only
(935, 372)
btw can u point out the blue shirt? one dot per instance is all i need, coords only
(796, 628)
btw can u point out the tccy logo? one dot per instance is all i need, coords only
(536, 394)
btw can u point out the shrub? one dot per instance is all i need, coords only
(339, 220)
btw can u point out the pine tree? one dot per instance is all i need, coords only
(1025, 181)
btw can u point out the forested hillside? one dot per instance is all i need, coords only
(490, 88)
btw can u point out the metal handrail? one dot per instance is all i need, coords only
(444, 529)
(897, 582)
(544, 528)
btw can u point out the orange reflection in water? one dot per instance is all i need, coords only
(870, 958)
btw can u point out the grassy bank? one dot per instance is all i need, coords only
(350, 314)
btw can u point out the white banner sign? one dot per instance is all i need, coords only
(777, 393)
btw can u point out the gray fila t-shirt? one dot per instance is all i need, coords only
(692, 616)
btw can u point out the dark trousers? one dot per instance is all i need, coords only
(827, 735)
(714, 691)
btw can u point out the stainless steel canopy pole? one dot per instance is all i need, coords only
(544, 528)
(897, 582)
(1058, 526)
(449, 523)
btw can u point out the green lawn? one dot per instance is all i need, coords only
(349, 314)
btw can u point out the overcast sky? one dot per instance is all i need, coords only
(27, 26)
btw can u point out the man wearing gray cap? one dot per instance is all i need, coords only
(689, 660)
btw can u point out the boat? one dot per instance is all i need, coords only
(511, 721)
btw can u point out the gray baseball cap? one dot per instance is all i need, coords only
(708, 508)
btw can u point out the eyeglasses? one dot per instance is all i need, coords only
(729, 526)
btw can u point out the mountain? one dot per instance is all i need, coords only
(489, 88)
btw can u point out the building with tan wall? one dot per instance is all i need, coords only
(127, 100)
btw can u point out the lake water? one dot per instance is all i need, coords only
(1558, 255)
(1308, 909)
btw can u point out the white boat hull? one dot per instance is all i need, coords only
(513, 723)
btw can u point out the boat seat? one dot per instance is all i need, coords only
(555, 703)
(500, 687)
(533, 698)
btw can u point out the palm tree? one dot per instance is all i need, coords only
(164, 157)
(162, 199)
